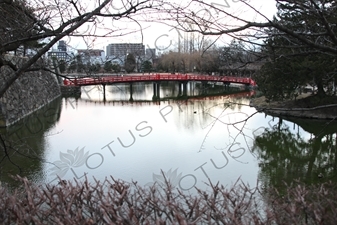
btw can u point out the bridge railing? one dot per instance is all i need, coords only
(156, 77)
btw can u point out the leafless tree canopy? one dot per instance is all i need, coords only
(117, 202)
(26, 23)
(210, 18)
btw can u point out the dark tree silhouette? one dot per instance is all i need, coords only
(130, 63)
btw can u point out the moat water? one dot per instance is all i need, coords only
(211, 136)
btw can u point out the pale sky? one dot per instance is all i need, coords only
(162, 37)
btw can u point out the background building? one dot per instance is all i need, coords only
(61, 52)
(117, 52)
(92, 56)
(62, 46)
(150, 54)
(120, 50)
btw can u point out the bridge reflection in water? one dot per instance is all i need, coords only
(156, 80)
(238, 94)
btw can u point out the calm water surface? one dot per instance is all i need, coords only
(189, 141)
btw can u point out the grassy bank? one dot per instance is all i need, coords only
(305, 106)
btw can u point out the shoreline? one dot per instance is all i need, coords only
(293, 108)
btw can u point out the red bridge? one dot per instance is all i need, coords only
(156, 77)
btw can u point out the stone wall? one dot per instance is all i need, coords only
(30, 92)
(71, 91)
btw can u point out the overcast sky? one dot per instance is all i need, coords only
(162, 37)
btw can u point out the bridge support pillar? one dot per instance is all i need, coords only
(156, 91)
(182, 89)
(185, 88)
(226, 85)
(131, 92)
(104, 98)
(204, 87)
(247, 87)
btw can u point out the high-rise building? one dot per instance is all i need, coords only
(150, 53)
(61, 52)
(62, 47)
(120, 50)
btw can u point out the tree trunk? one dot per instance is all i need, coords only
(320, 88)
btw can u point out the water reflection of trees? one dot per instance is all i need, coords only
(286, 156)
(22, 144)
(195, 114)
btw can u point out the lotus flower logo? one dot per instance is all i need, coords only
(164, 178)
(68, 161)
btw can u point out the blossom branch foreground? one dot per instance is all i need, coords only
(117, 202)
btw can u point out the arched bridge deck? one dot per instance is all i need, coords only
(156, 77)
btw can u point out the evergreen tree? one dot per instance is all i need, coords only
(108, 66)
(97, 67)
(31, 45)
(72, 67)
(291, 64)
(116, 68)
(80, 65)
(62, 66)
(130, 63)
(147, 66)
